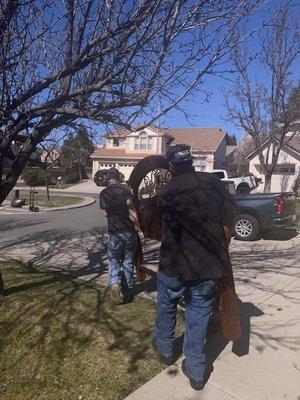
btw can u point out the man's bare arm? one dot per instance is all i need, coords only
(134, 218)
(228, 232)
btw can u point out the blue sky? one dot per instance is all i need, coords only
(213, 113)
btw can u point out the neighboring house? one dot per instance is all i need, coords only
(124, 149)
(230, 158)
(287, 168)
(50, 156)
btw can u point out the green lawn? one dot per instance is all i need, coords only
(41, 200)
(62, 338)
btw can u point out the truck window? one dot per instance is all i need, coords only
(219, 174)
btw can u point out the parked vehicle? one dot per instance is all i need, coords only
(100, 177)
(262, 212)
(243, 184)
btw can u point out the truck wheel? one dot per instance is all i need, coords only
(246, 227)
(243, 189)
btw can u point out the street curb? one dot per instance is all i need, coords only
(87, 202)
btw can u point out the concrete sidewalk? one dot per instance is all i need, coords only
(264, 365)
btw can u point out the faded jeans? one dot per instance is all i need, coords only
(199, 298)
(121, 250)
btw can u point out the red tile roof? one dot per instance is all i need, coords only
(198, 138)
(103, 152)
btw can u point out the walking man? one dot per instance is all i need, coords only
(196, 216)
(123, 228)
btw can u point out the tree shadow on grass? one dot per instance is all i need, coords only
(80, 313)
(82, 255)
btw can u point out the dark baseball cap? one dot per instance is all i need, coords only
(113, 173)
(178, 154)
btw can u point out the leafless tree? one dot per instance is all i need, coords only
(263, 106)
(238, 164)
(103, 60)
(49, 155)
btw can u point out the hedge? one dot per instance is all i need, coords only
(34, 178)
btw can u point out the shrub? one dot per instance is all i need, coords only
(34, 178)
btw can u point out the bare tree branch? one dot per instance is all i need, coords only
(106, 61)
(263, 108)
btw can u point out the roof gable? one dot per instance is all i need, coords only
(122, 132)
(293, 144)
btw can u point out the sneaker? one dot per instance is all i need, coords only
(196, 385)
(165, 360)
(116, 294)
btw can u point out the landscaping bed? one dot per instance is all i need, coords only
(41, 200)
(62, 338)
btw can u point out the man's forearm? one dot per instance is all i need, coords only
(134, 218)
(228, 232)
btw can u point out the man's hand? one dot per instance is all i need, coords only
(140, 234)
(134, 218)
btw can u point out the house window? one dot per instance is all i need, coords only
(281, 169)
(150, 143)
(285, 169)
(118, 142)
(143, 142)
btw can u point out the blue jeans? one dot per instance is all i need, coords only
(121, 251)
(199, 299)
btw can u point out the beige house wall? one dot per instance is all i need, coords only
(220, 155)
(123, 166)
(279, 182)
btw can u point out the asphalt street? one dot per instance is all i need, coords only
(73, 222)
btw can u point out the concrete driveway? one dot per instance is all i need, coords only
(87, 186)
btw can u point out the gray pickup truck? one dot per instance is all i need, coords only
(262, 212)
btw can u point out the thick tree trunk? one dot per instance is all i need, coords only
(16, 170)
(6, 186)
(267, 187)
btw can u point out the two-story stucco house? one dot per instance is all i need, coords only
(124, 149)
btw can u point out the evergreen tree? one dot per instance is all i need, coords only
(76, 149)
